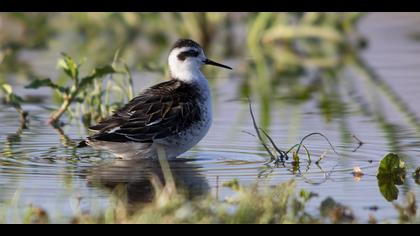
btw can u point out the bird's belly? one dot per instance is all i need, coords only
(177, 144)
(181, 142)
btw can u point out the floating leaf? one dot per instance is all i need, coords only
(391, 165)
(388, 189)
(391, 172)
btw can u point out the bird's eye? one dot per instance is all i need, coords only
(190, 53)
(193, 53)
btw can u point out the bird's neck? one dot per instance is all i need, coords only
(191, 76)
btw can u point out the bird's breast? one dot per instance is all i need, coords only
(189, 137)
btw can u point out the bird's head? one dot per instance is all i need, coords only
(187, 57)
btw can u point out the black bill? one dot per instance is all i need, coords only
(210, 62)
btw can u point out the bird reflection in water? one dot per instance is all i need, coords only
(135, 178)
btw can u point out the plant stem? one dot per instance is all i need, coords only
(57, 114)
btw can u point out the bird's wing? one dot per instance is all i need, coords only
(161, 111)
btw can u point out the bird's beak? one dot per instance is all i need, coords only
(210, 62)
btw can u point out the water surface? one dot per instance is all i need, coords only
(36, 168)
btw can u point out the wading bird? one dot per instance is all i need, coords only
(174, 115)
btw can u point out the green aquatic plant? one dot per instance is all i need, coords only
(279, 204)
(10, 98)
(249, 205)
(335, 212)
(106, 96)
(79, 85)
(391, 172)
(278, 155)
(35, 215)
(416, 175)
(16, 101)
(408, 211)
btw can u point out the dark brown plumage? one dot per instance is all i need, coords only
(180, 43)
(161, 111)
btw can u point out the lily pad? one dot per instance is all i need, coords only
(392, 165)
(391, 172)
(388, 189)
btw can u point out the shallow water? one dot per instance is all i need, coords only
(37, 169)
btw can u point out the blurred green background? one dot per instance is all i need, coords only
(281, 55)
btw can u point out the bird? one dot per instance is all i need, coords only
(173, 115)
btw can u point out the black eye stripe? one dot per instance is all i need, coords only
(190, 53)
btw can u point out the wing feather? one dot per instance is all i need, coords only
(161, 111)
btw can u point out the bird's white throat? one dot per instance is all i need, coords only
(189, 70)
